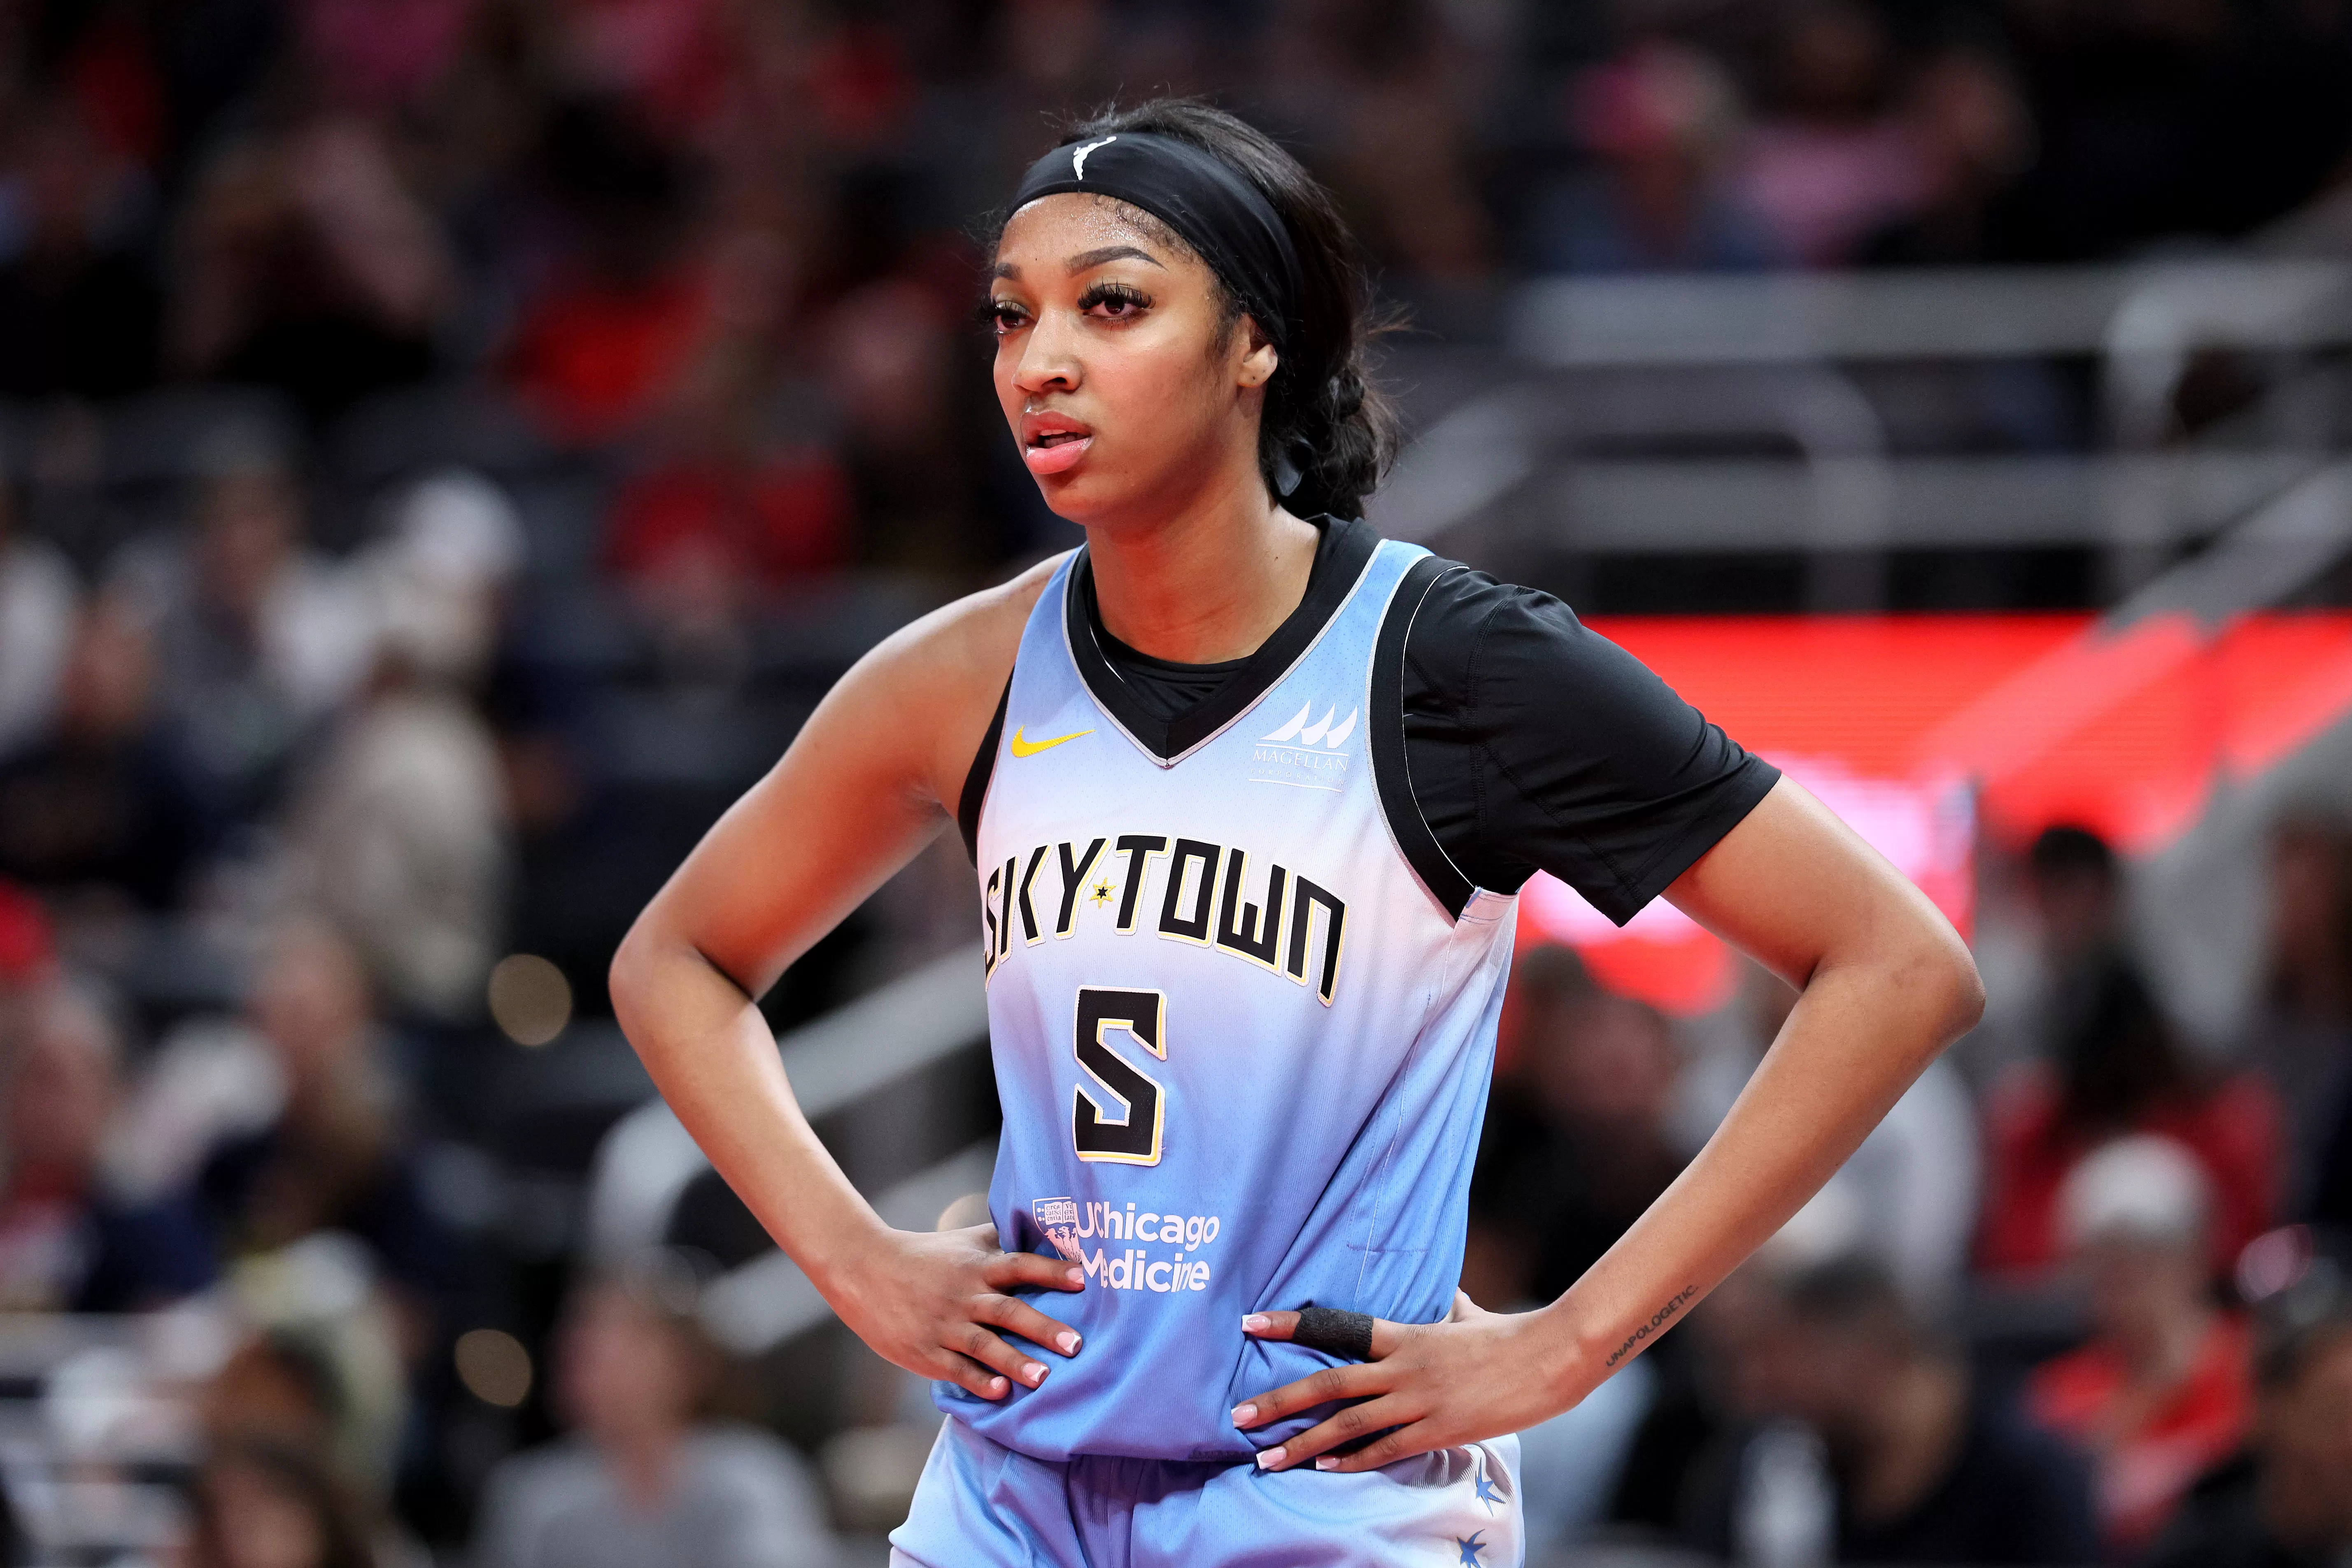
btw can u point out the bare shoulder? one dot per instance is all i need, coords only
(941, 675)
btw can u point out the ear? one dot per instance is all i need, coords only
(1260, 361)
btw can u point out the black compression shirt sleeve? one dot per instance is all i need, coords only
(1533, 743)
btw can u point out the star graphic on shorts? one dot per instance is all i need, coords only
(1471, 1547)
(1102, 894)
(1486, 1492)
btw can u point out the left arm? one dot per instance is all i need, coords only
(1884, 984)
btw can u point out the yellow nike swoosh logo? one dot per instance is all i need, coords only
(1024, 748)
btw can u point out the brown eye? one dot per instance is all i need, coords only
(1114, 302)
(1002, 316)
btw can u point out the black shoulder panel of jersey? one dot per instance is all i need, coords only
(975, 782)
(1390, 770)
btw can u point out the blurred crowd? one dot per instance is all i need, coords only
(445, 448)
(2084, 1296)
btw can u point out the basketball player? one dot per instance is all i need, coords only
(1250, 792)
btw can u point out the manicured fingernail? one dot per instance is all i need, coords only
(1244, 1413)
(1075, 1276)
(1255, 1322)
(1327, 1463)
(1268, 1457)
(997, 1386)
(1068, 1342)
(1033, 1374)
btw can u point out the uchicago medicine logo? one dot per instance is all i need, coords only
(1058, 1218)
(1069, 1227)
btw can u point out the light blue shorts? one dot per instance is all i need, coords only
(981, 1505)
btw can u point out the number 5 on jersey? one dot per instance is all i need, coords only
(1132, 1137)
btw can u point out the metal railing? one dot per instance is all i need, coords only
(649, 1159)
(1538, 457)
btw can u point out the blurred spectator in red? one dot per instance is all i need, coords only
(265, 1503)
(312, 269)
(621, 315)
(27, 953)
(2284, 1503)
(647, 1479)
(740, 485)
(2162, 1392)
(69, 1242)
(37, 593)
(399, 832)
(1924, 1466)
(1662, 122)
(1832, 164)
(375, 57)
(2302, 1034)
(1972, 136)
(105, 804)
(336, 1156)
(2118, 1069)
(765, 519)
(80, 311)
(256, 639)
(1575, 1144)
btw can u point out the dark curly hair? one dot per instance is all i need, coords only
(1323, 416)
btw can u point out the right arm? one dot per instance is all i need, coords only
(859, 792)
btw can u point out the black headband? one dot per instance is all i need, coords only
(1212, 207)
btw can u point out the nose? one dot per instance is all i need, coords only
(1048, 359)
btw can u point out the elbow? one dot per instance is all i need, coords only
(1951, 989)
(627, 975)
(1967, 995)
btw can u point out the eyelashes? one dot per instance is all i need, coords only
(1125, 297)
(1108, 301)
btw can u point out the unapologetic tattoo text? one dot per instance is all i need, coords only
(1657, 1320)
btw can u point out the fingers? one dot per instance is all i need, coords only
(1270, 1325)
(1020, 1318)
(1352, 1381)
(973, 1378)
(1403, 1440)
(1386, 1336)
(1007, 1269)
(976, 1342)
(1352, 1425)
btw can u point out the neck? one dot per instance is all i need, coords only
(1209, 582)
(643, 1459)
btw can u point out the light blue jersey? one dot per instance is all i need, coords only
(1243, 1049)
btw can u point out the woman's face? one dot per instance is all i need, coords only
(1115, 368)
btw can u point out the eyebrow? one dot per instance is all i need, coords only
(1086, 261)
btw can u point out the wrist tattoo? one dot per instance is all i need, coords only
(1657, 1320)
